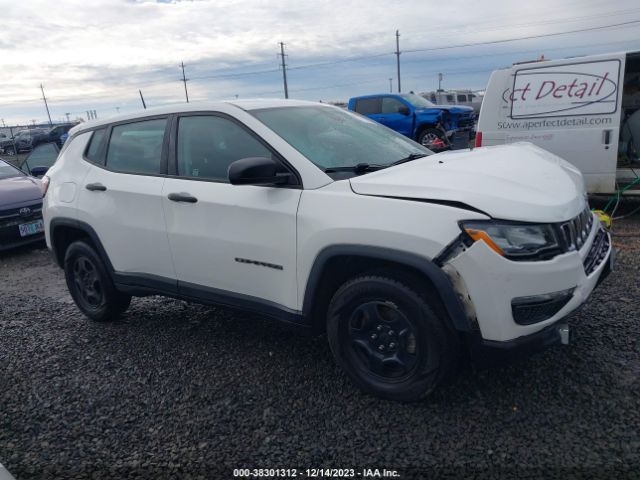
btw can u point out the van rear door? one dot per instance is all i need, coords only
(569, 107)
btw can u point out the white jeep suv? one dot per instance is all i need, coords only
(324, 219)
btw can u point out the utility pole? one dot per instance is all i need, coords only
(440, 82)
(284, 71)
(184, 79)
(3, 124)
(398, 58)
(67, 114)
(390, 85)
(142, 98)
(45, 105)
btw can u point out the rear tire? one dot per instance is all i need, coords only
(388, 339)
(90, 285)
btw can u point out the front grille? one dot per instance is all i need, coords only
(597, 252)
(12, 213)
(575, 232)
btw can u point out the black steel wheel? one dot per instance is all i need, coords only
(388, 338)
(87, 282)
(381, 340)
(90, 285)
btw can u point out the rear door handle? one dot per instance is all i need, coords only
(606, 137)
(95, 187)
(182, 197)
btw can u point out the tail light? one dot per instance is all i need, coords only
(44, 185)
(478, 139)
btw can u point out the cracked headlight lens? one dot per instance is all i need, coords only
(514, 240)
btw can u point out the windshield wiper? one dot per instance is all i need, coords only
(359, 168)
(413, 156)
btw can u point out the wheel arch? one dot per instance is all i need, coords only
(64, 231)
(337, 263)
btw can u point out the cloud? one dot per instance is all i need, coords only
(98, 54)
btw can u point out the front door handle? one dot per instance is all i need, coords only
(95, 187)
(182, 197)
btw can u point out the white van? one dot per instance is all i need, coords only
(581, 109)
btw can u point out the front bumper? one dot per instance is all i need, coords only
(488, 352)
(9, 227)
(492, 282)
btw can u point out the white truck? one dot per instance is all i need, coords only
(455, 97)
(584, 109)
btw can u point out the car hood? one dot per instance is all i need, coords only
(17, 190)
(458, 109)
(519, 182)
(451, 109)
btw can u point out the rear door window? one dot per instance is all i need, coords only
(137, 147)
(369, 106)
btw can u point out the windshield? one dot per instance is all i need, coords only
(331, 137)
(417, 101)
(7, 171)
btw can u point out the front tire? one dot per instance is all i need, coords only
(90, 285)
(388, 338)
(434, 139)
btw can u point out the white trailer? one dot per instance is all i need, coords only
(584, 109)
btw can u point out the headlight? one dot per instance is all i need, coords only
(513, 240)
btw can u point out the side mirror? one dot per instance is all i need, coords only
(39, 171)
(257, 171)
(404, 110)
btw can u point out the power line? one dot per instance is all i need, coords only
(489, 28)
(239, 74)
(529, 37)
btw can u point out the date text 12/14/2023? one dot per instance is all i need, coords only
(315, 473)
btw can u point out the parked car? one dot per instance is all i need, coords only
(20, 208)
(455, 97)
(40, 159)
(59, 133)
(25, 140)
(7, 145)
(415, 117)
(578, 108)
(329, 221)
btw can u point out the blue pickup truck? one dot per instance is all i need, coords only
(416, 117)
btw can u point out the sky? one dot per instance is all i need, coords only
(97, 54)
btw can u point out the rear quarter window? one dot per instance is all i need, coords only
(94, 150)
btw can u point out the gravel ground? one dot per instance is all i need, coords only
(183, 391)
